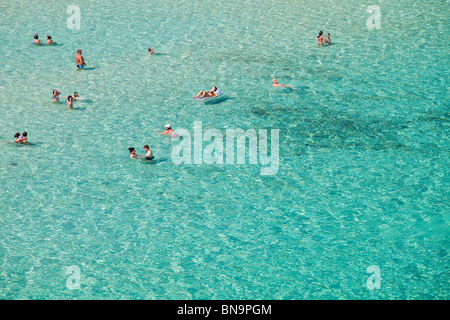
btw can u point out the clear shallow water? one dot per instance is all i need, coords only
(364, 151)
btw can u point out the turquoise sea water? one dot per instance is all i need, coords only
(364, 151)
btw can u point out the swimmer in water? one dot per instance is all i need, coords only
(133, 154)
(169, 131)
(207, 94)
(18, 138)
(320, 38)
(24, 137)
(149, 154)
(150, 50)
(328, 39)
(276, 84)
(36, 40)
(75, 96)
(56, 94)
(49, 40)
(79, 60)
(70, 102)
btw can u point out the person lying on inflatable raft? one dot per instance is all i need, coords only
(213, 93)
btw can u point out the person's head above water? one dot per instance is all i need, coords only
(79, 51)
(167, 126)
(132, 150)
(49, 37)
(274, 81)
(17, 135)
(36, 36)
(214, 88)
(320, 34)
(75, 94)
(146, 147)
(24, 134)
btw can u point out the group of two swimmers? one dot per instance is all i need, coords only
(70, 98)
(149, 155)
(321, 40)
(21, 138)
(49, 40)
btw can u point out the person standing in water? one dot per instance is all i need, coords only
(24, 137)
(36, 40)
(79, 60)
(328, 39)
(276, 84)
(133, 154)
(320, 38)
(49, 40)
(56, 94)
(70, 102)
(18, 137)
(149, 154)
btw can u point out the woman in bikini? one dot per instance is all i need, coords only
(56, 93)
(49, 40)
(207, 94)
(70, 102)
(320, 38)
(133, 154)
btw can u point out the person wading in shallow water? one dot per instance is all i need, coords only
(133, 154)
(79, 60)
(149, 154)
(320, 38)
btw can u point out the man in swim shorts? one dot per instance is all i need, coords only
(79, 60)
(149, 154)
